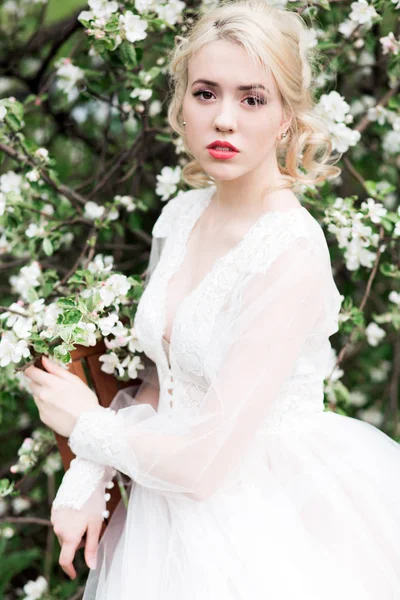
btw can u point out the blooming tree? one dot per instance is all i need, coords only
(87, 156)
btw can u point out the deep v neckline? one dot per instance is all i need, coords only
(182, 250)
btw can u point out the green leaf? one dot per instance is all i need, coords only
(13, 563)
(72, 316)
(12, 121)
(66, 303)
(371, 187)
(162, 137)
(128, 54)
(47, 247)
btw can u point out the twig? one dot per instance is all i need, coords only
(26, 521)
(69, 193)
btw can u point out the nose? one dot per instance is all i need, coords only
(225, 119)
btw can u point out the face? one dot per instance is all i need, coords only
(250, 119)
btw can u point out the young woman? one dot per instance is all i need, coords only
(242, 486)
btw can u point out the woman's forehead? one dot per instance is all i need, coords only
(228, 65)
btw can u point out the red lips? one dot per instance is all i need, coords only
(223, 145)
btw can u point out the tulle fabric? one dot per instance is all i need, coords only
(316, 517)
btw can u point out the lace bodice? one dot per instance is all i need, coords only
(203, 313)
(248, 352)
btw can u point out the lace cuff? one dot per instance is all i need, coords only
(98, 436)
(79, 483)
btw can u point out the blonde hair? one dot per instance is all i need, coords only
(277, 39)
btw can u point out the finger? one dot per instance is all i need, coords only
(92, 542)
(67, 556)
(36, 393)
(55, 369)
(39, 376)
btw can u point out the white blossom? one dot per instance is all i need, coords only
(69, 76)
(10, 182)
(372, 416)
(42, 154)
(20, 504)
(390, 44)
(34, 230)
(133, 367)
(115, 286)
(28, 278)
(155, 108)
(391, 142)
(12, 349)
(127, 202)
(88, 333)
(106, 324)
(343, 137)
(395, 297)
(23, 328)
(101, 264)
(362, 13)
(142, 94)
(2, 203)
(376, 210)
(374, 334)
(33, 175)
(144, 6)
(52, 464)
(34, 590)
(380, 373)
(133, 26)
(101, 9)
(167, 181)
(3, 112)
(357, 398)
(110, 363)
(170, 12)
(347, 27)
(93, 211)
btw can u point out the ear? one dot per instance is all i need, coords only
(286, 122)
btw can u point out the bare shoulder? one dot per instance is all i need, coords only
(283, 200)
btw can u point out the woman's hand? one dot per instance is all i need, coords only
(60, 396)
(70, 526)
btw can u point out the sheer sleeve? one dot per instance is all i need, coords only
(192, 453)
(84, 483)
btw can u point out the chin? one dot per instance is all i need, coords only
(222, 172)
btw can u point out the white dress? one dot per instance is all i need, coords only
(243, 486)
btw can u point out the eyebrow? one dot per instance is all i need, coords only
(252, 86)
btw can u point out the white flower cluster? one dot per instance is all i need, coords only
(28, 454)
(371, 415)
(335, 111)
(353, 232)
(390, 44)
(167, 182)
(131, 26)
(123, 338)
(68, 78)
(127, 202)
(10, 183)
(34, 590)
(29, 277)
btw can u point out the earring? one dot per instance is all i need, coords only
(284, 134)
(183, 122)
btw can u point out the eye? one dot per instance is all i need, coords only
(258, 100)
(202, 92)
